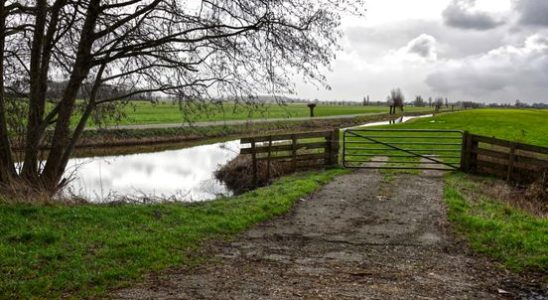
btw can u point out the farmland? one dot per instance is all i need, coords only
(50, 250)
(141, 112)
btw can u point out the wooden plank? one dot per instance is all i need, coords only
(503, 164)
(508, 144)
(287, 147)
(297, 158)
(492, 164)
(517, 158)
(491, 153)
(281, 137)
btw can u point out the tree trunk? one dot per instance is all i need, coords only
(7, 168)
(36, 104)
(60, 147)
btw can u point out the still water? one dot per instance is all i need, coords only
(175, 175)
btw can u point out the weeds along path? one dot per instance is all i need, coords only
(360, 237)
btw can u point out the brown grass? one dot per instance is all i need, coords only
(238, 173)
(532, 198)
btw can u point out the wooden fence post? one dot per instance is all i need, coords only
(254, 162)
(474, 146)
(335, 141)
(511, 159)
(268, 158)
(294, 152)
(465, 152)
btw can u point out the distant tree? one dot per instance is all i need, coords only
(366, 100)
(419, 101)
(395, 99)
(430, 101)
(438, 103)
(446, 102)
(520, 104)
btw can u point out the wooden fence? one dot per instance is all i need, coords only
(512, 161)
(306, 150)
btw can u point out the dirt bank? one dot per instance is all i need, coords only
(359, 237)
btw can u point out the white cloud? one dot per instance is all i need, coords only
(421, 48)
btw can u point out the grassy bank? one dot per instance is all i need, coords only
(49, 251)
(119, 141)
(521, 125)
(141, 112)
(514, 237)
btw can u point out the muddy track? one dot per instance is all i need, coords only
(359, 237)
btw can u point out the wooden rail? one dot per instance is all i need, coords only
(512, 161)
(304, 150)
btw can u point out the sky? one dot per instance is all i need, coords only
(465, 50)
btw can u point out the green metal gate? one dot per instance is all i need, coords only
(420, 149)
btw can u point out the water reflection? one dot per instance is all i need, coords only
(399, 120)
(180, 175)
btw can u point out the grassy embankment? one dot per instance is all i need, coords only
(500, 229)
(141, 112)
(49, 251)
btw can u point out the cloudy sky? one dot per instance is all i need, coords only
(481, 50)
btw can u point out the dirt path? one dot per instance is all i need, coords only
(357, 238)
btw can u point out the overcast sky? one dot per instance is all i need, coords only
(481, 50)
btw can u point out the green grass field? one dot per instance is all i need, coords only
(141, 112)
(517, 239)
(521, 125)
(50, 251)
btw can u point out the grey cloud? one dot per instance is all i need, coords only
(533, 12)
(424, 46)
(371, 42)
(459, 14)
(503, 74)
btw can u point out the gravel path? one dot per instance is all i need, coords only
(359, 237)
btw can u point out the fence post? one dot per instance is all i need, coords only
(511, 159)
(294, 152)
(268, 159)
(474, 145)
(465, 152)
(335, 147)
(254, 162)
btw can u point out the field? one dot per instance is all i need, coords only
(141, 112)
(520, 125)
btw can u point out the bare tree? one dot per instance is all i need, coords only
(395, 99)
(419, 101)
(193, 50)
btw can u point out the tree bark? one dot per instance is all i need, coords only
(36, 104)
(7, 168)
(54, 168)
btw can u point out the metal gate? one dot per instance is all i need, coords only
(420, 149)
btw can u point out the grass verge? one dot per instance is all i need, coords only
(53, 251)
(513, 237)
